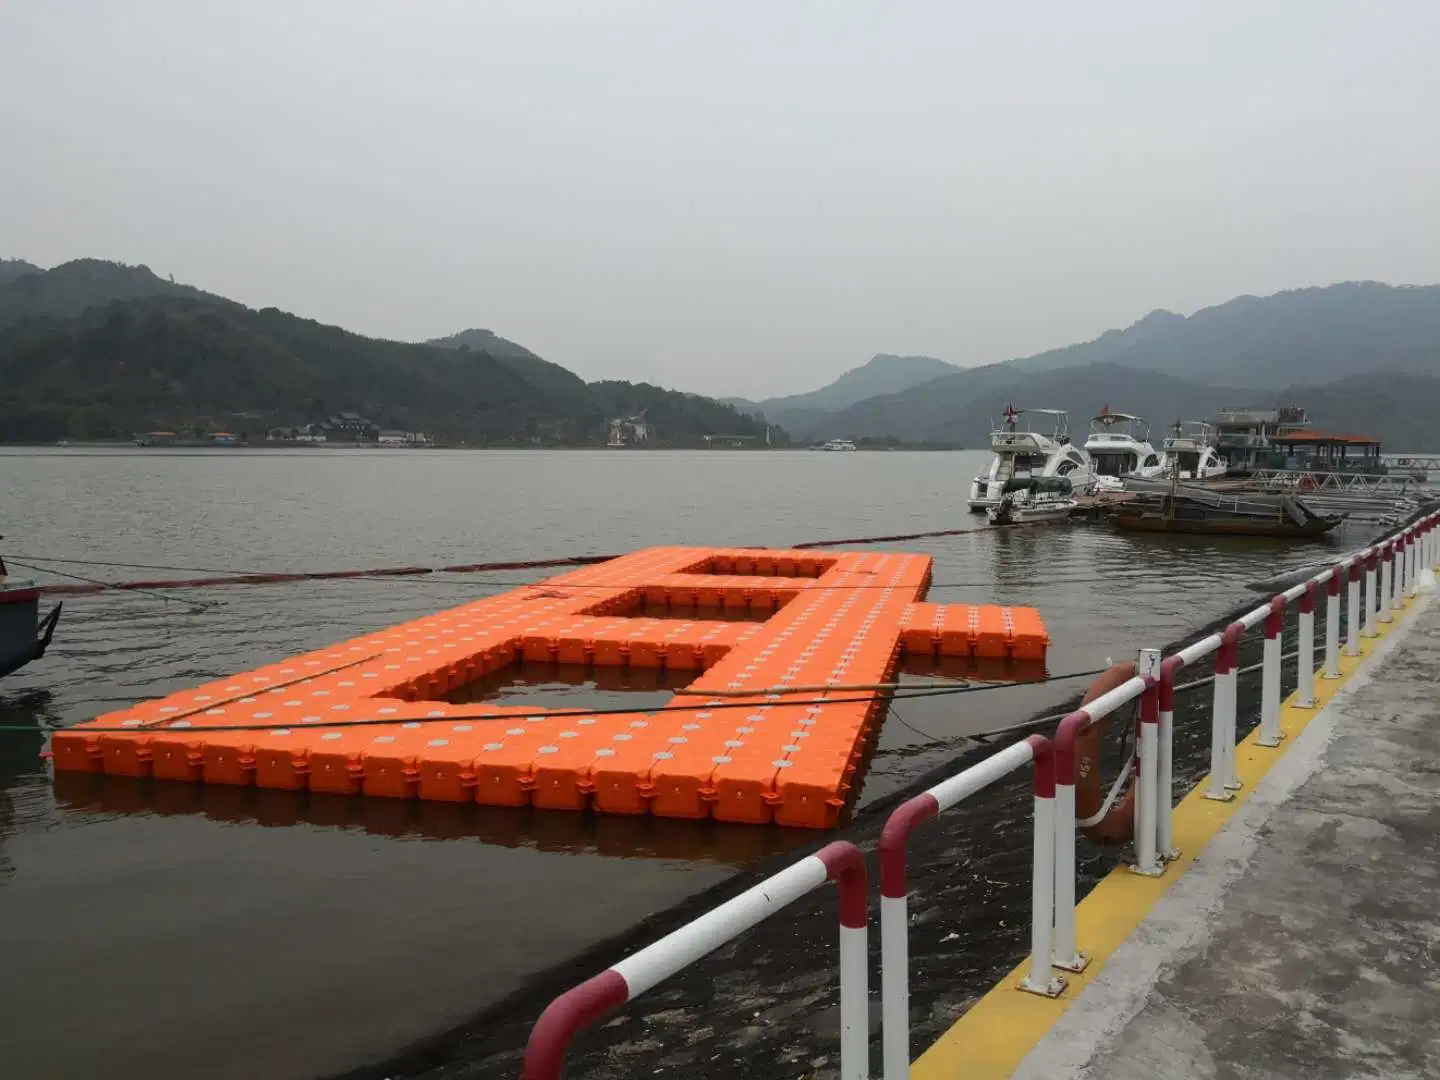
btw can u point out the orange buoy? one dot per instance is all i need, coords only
(1117, 826)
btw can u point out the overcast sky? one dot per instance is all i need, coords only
(727, 197)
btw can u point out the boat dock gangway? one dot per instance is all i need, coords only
(1364, 496)
(1377, 583)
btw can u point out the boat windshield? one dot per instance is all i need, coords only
(1113, 462)
(1024, 464)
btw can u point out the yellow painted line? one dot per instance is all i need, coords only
(999, 1030)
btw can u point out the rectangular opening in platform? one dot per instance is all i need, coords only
(650, 607)
(969, 669)
(763, 564)
(540, 685)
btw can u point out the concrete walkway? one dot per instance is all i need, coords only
(1305, 941)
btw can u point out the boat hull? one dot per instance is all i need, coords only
(1045, 515)
(24, 636)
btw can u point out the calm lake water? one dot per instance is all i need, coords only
(156, 930)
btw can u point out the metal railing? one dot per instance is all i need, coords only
(1390, 570)
(894, 894)
(840, 862)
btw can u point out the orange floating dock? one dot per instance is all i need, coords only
(814, 620)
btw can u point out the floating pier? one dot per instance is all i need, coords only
(369, 716)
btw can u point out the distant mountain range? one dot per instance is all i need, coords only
(883, 374)
(1360, 356)
(10, 269)
(94, 349)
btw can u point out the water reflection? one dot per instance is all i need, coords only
(19, 760)
(573, 686)
(612, 836)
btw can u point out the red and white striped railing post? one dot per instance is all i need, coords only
(1067, 954)
(894, 886)
(1232, 636)
(1387, 579)
(1147, 775)
(1270, 733)
(1332, 622)
(1305, 686)
(625, 980)
(1372, 592)
(1222, 715)
(1405, 587)
(1170, 669)
(1402, 569)
(1041, 980)
(1354, 603)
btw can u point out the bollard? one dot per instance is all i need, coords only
(1305, 687)
(1270, 733)
(1332, 623)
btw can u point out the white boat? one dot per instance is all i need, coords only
(1021, 454)
(1033, 501)
(1191, 447)
(1119, 446)
(844, 445)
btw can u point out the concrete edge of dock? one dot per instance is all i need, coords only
(1133, 926)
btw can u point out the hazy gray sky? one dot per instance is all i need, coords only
(727, 197)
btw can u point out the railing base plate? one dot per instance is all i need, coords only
(1156, 871)
(1051, 989)
(1076, 963)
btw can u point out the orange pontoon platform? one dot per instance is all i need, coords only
(814, 620)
